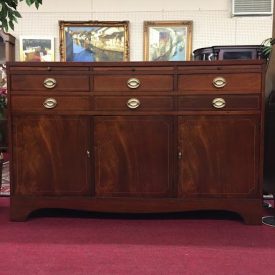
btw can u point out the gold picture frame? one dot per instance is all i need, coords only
(94, 40)
(167, 40)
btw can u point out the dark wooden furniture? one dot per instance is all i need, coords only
(137, 137)
(269, 171)
(7, 53)
(228, 52)
(7, 44)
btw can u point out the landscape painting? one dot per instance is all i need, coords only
(92, 41)
(167, 40)
(36, 48)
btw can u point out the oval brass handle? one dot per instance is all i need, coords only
(219, 82)
(133, 103)
(49, 83)
(133, 83)
(218, 103)
(50, 103)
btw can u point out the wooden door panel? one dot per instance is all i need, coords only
(50, 155)
(220, 156)
(133, 156)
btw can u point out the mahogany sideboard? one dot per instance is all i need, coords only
(137, 137)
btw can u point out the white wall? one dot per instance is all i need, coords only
(212, 20)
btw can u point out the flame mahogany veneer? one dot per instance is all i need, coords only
(137, 137)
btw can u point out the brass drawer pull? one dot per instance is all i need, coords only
(218, 103)
(133, 103)
(49, 83)
(133, 83)
(219, 82)
(50, 103)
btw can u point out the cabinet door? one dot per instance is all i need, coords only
(219, 156)
(50, 155)
(133, 156)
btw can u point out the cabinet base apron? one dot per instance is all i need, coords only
(249, 209)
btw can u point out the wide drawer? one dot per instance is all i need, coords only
(75, 83)
(137, 103)
(218, 102)
(55, 103)
(222, 83)
(121, 83)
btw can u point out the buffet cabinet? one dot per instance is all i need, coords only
(137, 137)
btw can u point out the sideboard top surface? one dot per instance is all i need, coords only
(138, 63)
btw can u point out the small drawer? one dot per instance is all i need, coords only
(135, 103)
(126, 83)
(74, 83)
(219, 102)
(55, 103)
(130, 69)
(220, 83)
(51, 68)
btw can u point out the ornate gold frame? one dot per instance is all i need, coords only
(167, 26)
(66, 27)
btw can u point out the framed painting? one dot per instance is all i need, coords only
(167, 40)
(94, 41)
(36, 48)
